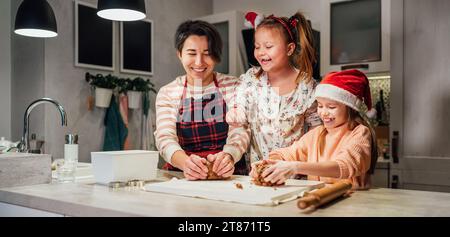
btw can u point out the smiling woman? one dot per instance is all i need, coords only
(190, 111)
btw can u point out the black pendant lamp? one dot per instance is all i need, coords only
(35, 18)
(121, 10)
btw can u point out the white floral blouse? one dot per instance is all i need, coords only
(274, 121)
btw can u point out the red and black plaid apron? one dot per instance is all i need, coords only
(202, 128)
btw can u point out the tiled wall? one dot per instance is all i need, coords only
(378, 83)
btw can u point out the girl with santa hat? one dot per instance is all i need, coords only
(342, 148)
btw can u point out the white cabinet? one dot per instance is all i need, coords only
(381, 176)
(420, 94)
(10, 210)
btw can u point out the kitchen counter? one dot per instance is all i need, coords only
(88, 199)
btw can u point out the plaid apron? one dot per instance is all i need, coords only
(202, 128)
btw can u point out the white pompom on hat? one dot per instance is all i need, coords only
(349, 87)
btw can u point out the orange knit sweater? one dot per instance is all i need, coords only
(351, 149)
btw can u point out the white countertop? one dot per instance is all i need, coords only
(89, 199)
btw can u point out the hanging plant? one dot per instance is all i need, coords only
(136, 88)
(104, 86)
(124, 85)
(139, 84)
(100, 81)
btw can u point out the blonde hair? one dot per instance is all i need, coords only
(297, 30)
(355, 118)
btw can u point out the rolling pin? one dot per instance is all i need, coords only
(324, 195)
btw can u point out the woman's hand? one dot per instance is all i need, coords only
(223, 164)
(195, 168)
(279, 171)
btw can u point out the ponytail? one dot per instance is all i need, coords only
(304, 56)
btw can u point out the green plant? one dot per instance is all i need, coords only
(124, 85)
(139, 84)
(100, 81)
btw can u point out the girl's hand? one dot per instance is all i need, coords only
(253, 173)
(195, 168)
(223, 164)
(279, 171)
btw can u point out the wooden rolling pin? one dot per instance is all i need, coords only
(324, 195)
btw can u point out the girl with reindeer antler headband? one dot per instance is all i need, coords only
(275, 101)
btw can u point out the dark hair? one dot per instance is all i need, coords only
(295, 29)
(200, 28)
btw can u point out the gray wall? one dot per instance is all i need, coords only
(310, 8)
(5, 70)
(27, 83)
(46, 68)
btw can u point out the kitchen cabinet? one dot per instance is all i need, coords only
(10, 210)
(89, 199)
(381, 176)
(420, 94)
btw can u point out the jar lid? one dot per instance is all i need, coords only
(71, 139)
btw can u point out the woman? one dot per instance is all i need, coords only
(190, 111)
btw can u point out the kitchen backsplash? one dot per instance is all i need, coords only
(381, 82)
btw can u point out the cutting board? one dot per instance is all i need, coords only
(238, 189)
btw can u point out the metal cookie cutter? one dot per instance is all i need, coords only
(136, 183)
(116, 184)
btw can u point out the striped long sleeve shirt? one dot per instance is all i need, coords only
(168, 103)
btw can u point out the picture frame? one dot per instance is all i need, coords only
(136, 47)
(94, 38)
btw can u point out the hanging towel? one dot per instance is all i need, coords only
(147, 139)
(123, 104)
(115, 129)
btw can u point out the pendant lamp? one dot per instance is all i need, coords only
(121, 10)
(35, 18)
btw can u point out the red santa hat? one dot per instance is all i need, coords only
(350, 87)
(252, 19)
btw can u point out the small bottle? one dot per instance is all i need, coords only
(67, 171)
(71, 148)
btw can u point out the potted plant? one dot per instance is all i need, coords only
(104, 86)
(138, 86)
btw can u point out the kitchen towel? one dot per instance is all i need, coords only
(115, 130)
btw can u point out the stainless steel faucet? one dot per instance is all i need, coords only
(24, 142)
